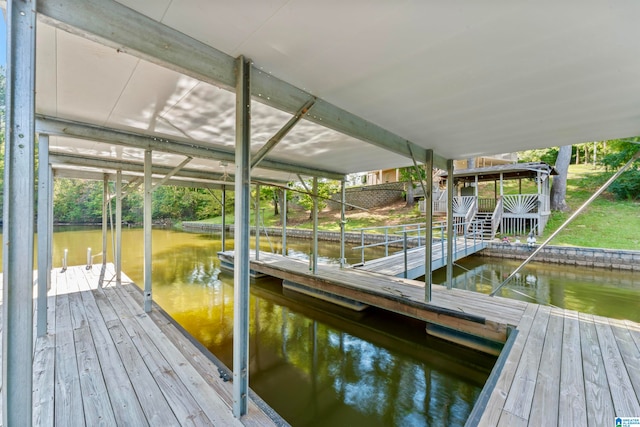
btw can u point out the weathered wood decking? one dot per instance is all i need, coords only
(394, 264)
(558, 368)
(104, 361)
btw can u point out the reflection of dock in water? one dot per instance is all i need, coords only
(557, 367)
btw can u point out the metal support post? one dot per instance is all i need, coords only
(105, 201)
(428, 207)
(257, 220)
(223, 233)
(343, 223)
(449, 224)
(17, 330)
(44, 254)
(241, 237)
(283, 212)
(147, 227)
(314, 249)
(118, 249)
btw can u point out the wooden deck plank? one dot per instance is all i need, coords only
(68, 409)
(125, 404)
(520, 397)
(598, 397)
(96, 402)
(544, 407)
(573, 407)
(182, 401)
(625, 400)
(501, 389)
(629, 351)
(155, 406)
(43, 381)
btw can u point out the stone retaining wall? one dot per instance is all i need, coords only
(370, 196)
(569, 255)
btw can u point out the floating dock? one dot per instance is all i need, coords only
(414, 267)
(556, 367)
(104, 361)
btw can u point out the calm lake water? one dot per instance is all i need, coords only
(317, 364)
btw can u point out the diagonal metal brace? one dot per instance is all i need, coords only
(415, 166)
(171, 173)
(275, 139)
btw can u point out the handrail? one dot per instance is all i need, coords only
(496, 217)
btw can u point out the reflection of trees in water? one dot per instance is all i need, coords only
(372, 380)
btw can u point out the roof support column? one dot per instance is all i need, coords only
(283, 212)
(223, 240)
(257, 220)
(343, 222)
(314, 248)
(148, 193)
(17, 331)
(44, 232)
(428, 207)
(241, 238)
(118, 249)
(449, 224)
(105, 201)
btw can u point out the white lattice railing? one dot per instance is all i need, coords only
(462, 205)
(521, 204)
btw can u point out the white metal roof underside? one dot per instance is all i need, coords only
(462, 78)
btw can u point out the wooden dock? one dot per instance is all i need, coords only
(104, 361)
(394, 264)
(557, 368)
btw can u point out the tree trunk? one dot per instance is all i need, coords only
(559, 187)
(410, 198)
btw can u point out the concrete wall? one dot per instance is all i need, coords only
(370, 196)
(587, 257)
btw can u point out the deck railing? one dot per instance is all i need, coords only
(412, 236)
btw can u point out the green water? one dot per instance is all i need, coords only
(317, 364)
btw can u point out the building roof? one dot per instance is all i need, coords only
(391, 79)
(510, 171)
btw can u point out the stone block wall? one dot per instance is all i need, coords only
(579, 256)
(370, 196)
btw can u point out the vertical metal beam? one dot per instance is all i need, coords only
(50, 224)
(44, 277)
(428, 207)
(118, 250)
(147, 227)
(315, 226)
(17, 331)
(105, 201)
(223, 233)
(241, 238)
(449, 224)
(283, 211)
(257, 220)
(343, 222)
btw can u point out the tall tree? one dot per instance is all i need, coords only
(559, 187)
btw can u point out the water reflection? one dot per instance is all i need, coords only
(609, 293)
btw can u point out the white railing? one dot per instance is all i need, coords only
(414, 236)
(496, 218)
(521, 204)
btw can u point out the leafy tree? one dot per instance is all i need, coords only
(410, 175)
(627, 186)
(547, 155)
(325, 190)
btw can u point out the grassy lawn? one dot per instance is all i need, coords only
(607, 223)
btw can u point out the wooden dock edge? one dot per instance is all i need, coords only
(161, 316)
(463, 322)
(481, 403)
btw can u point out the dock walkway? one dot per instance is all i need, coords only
(394, 264)
(557, 368)
(104, 361)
